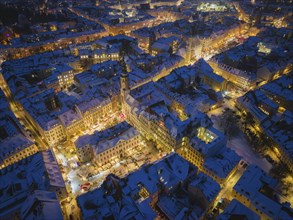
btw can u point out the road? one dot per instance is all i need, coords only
(29, 126)
(19, 113)
(226, 191)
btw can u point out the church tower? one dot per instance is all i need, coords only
(124, 81)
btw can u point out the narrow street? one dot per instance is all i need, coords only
(226, 191)
(27, 124)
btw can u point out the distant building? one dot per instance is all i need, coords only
(242, 79)
(256, 60)
(216, 82)
(65, 76)
(165, 45)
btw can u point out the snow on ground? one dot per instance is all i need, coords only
(240, 145)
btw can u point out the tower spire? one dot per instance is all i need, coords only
(123, 65)
(124, 81)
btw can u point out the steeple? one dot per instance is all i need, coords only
(124, 84)
(123, 65)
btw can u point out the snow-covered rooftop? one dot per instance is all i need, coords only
(36, 172)
(223, 162)
(104, 145)
(41, 205)
(258, 187)
(237, 210)
(69, 117)
(120, 198)
(100, 136)
(13, 145)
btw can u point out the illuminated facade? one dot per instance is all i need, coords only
(16, 148)
(54, 134)
(85, 153)
(159, 130)
(66, 78)
(106, 150)
(101, 103)
(238, 77)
